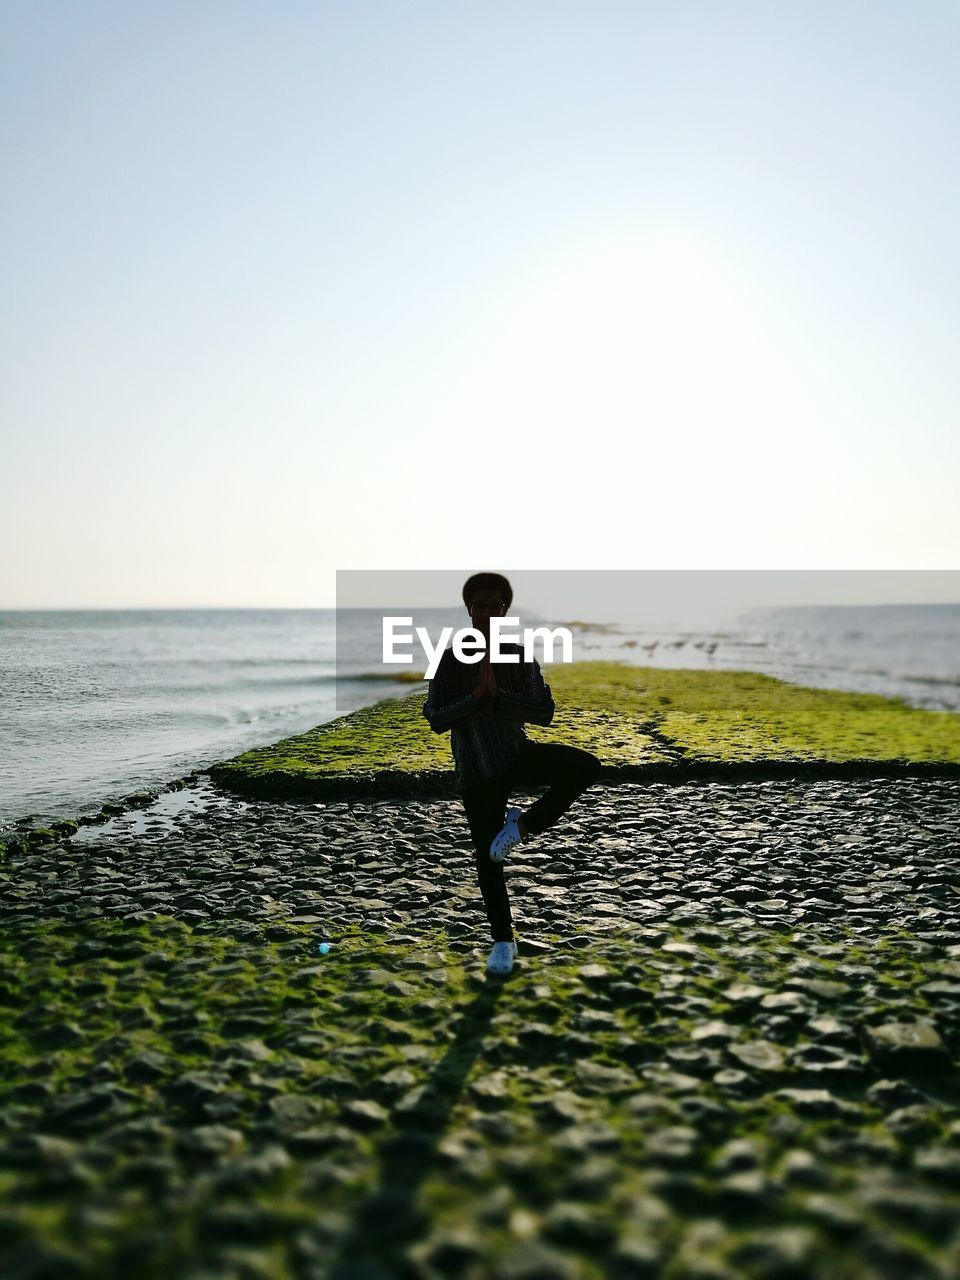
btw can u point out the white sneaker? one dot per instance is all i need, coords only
(507, 836)
(501, 957)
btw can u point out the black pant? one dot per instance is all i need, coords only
(568, 771)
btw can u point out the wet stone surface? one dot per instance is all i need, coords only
(728, 1047)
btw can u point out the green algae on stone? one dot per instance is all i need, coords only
(745, 715)
(640, 721)
(137, 1114)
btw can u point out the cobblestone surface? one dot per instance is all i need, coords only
(728, 1046)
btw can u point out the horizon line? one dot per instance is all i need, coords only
(283, 608)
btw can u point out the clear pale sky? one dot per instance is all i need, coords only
(301, 287)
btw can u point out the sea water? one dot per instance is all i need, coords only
(97, 704)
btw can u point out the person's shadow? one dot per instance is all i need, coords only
(388, 1216)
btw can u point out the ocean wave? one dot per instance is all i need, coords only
(224, 687)
(123, 664)
(404, 677)
(951, 681)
